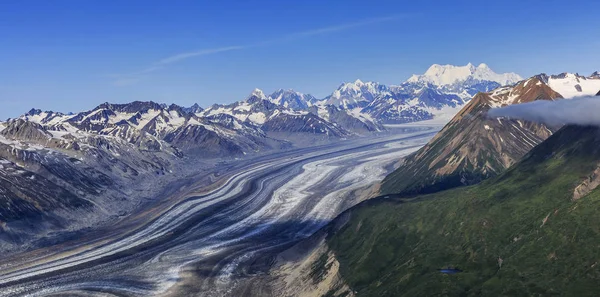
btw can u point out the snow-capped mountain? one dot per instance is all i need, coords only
(444, 75)
(240, 127)
(292, 99)
(464, 81)
(442, 89)
(260, 112)
(155, 127)
(411, 106)
(274, 114)
(571, 85)
(355, 94)
(351, 120)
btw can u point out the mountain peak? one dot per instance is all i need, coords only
(33, 111)
(441, 75)
(292, 99)
(132, 107)
(257, 93)
(193, 109)
(571, 85)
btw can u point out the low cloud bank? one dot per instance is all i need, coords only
(582, 111)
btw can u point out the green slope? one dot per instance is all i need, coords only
(394, 247)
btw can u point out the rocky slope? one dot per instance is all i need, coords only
(59, 181)
(308, 269)
(473, 147)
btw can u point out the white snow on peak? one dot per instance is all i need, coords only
(571, 85)
(291, 99)
(449, 74)
(257, 93)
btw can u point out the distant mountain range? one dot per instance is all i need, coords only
(262, 122)
(442, 89)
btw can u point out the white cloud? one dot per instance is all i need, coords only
(184, 56)
(578, 111)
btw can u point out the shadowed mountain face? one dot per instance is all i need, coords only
(472, 146)
(24, 194)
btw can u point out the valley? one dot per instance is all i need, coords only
(299, 149)
(209, 239)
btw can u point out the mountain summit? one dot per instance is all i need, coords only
(441, 75)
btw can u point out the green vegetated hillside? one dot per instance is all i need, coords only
(518, 234)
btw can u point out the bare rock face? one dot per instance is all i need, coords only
(588, 185)
(21, 129)
(308, 269)
(472, 146)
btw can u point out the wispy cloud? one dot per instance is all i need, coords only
(184, 56)
(343, 27)
(578, 111)
(132, 78)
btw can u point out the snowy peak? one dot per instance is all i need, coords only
(151, 127)
(193, 109)
(441, 75)
(358, 86)
(528, 90)
(292, 99)
(257, 94)
(571, 85)
(356, 94)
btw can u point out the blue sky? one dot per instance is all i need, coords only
(73, 55)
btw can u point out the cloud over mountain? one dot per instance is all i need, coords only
(580, 111)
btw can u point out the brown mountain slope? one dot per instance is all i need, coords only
(473, 147)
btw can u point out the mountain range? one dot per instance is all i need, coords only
(263, 122)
